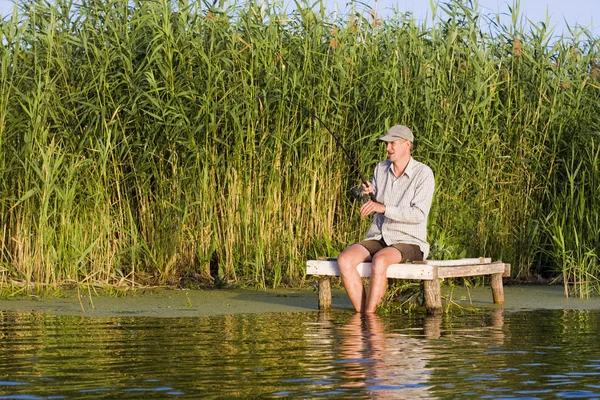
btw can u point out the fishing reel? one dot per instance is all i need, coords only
(358, 195)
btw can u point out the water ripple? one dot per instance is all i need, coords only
(483, 354)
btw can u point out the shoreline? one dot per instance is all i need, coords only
(177, 303)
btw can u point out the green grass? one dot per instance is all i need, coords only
(133, 149)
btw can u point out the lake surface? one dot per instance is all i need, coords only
(489, 353)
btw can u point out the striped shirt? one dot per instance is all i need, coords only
(407, 201)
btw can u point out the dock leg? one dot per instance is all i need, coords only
(324, 294)
(497, 288)
(433, 296)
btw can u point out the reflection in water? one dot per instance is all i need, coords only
(485, 353)
(387, 365)
(390, 358)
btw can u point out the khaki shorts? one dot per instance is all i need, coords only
(410, 252)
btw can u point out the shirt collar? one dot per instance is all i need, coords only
(410, 167)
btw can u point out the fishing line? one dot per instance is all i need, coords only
(357, 193)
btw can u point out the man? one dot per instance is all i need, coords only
(403, 190)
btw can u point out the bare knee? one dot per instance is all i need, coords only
(379, 269)
(349, 259)
(345, 262)
(379, 265)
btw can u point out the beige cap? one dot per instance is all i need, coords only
(398, 132)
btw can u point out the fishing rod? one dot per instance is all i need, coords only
(356, 193)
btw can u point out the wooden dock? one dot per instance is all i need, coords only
(428, 271)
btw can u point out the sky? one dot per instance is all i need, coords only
(561, 12)
(575, 12)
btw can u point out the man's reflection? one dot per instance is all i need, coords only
(387, 365)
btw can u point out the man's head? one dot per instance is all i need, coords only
(399, 142)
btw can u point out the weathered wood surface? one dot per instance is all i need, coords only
(397, 271)
(470, 270)
(454, 263)
(417, 271)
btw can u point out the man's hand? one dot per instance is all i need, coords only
(371, 207)
(367, 188)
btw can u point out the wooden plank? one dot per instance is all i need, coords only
(396, 271)
(322, 267)
(453, 263)
(410, 271)
(471, 270)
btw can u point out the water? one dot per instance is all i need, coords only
(482, 354)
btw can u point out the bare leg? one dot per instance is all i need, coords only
(378, 283)
(348, 260)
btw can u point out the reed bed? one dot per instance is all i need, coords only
(133, 149)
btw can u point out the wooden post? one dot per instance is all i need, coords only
(497, 288)
(324, 294)
(433, 296)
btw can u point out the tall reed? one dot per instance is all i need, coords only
(134, 149)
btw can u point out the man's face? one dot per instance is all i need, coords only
(398, 149)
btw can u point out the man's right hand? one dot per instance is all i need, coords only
(371, 207)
